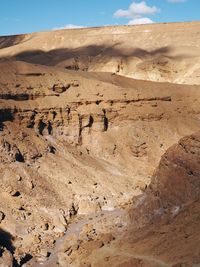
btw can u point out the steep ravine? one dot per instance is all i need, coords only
(80, 142)
(163, 224)
(57, 151)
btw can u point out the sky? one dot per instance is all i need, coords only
(25, 16)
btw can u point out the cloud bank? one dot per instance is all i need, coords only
(69, 26)
(140, 21)
(137, 13)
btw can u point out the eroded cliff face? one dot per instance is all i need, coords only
(163, 227)
(74, 143)
(79, 144)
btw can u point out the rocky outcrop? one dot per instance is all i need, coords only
(164, 221)
(175, 185)
(6, 258)
(177, 180)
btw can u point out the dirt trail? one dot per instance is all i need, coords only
(75, 229)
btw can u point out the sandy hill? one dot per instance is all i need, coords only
(158, 52)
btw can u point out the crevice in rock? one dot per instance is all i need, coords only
(105, 121)
(26, 259)
(80, 124)
(90, 122)
(41, 127)
(32, 121)
(6, 115)
(73, 211)
(16, 194)
(51, 149)
(19, 157)
(54, 114)
(98, 102)
(50, 128)
(68, 115)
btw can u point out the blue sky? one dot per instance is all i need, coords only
(23, 16)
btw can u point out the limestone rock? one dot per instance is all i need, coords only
(6, 259)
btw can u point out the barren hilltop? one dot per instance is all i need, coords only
(99, 142)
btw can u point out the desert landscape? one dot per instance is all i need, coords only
(100, 147)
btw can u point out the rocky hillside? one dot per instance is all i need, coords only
(157, 52)
(163, 228)
(80, 139)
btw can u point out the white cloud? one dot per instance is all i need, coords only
(140, 21)
(177, 1)
(136, 10)
(69, 26)
(120, 13)
(137, 13)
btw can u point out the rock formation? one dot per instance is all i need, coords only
(163, 227)
(83, 125)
